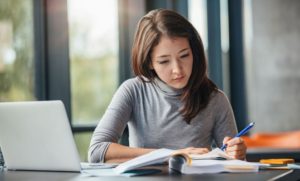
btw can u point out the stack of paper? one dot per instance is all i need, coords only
(212, 166)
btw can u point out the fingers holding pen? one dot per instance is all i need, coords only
(233, 141)
(226, 139)
(236, 147)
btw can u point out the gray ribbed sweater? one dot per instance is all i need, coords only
(152, 114)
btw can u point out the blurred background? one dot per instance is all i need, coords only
(79, 52)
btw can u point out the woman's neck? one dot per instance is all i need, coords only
(166, 88)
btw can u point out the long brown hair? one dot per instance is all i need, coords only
(161, 22)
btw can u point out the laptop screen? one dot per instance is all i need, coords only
(37, 136)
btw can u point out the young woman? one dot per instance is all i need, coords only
(171, 103)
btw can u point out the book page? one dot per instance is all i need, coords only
(154, 157)
(215, 154)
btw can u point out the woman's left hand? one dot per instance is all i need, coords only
(236, 147)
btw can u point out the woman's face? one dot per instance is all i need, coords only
(172, 60)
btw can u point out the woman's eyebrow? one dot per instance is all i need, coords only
(162, 56)
(183, 50)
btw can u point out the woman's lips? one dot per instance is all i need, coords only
(178, 78)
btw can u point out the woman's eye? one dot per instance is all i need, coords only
(163, 62)
(184, 56)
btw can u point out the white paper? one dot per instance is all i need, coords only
(87, 166)
(154, 157)
(99, 172)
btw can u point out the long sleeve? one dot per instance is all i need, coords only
(112, 124)
(224, 120)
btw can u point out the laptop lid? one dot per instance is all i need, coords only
(37, 136)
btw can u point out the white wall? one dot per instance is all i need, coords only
(273, 64)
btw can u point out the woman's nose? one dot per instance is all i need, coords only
(177, 67)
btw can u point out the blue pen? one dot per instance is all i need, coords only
(244, 131)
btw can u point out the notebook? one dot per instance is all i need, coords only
(37, 136)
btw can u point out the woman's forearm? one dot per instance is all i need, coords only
(117, 153)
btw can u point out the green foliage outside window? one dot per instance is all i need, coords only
(16, 50)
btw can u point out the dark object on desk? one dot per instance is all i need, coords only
(256, 154)
(1, 159)
(140, 172)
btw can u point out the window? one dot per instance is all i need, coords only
(198, 17)
(93, 42)
(16, 50)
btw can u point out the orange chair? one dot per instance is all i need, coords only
(289, 139)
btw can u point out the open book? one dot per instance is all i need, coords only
(214, 161)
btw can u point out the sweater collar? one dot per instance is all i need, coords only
(167, 89)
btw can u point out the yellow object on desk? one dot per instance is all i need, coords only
(277, 161)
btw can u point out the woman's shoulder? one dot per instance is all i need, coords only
(218, 102)
(134, 84)
(218, 97)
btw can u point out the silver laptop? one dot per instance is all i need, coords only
(37, 136)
